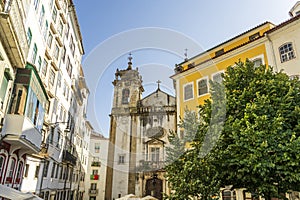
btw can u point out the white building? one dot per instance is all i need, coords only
(43, 99)
(96, 171)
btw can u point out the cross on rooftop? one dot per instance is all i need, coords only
(158, 82)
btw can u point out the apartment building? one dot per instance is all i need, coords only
(45, 133)
(96, 171)
(23, 96)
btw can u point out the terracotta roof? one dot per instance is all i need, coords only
(243, 44)
(283, 24)
(231, 39)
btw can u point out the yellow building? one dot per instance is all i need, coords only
(277, 46)
(264, 44)
(193, 75)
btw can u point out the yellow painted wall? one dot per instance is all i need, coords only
(219, 65)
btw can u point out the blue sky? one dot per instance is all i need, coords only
(157, 32)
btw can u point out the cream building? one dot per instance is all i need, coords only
(96, 171)
(138, 137)
(45, 135)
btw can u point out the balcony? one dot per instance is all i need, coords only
(94, 177)
(96, 164)
(93, 191)
(157, 109)
(151, 165)
(13, 33)
(19, 131)
(69, 158)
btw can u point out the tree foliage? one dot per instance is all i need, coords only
(250, 139)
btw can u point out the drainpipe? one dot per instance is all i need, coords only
(273, 52)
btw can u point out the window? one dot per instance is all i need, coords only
(155, 154)
(45, 29)
(51, 77)
(39, 63)
(57, 169)
(188, 91)
(50, 136)
(58, 139)
(3, 90)
(202, 86)
(257, 62)
(217, 77)
(1, 164)
(47, 195)
(69, 67)
(42, 15)
(54, 14)
(95, 172)
(50, 39)
(56, 52)
(60, 28)
(228, 195)
(29, 36)
(220, 52)
(93, 186)
(11, 169)
(36, 4)
(19, 172)
(63, 54)
(121, 159)
(97, 147)
(72, 46)
(125, 96)
(58, 80)
(34, 54)
(44, 67)
(67, 31)
(286, 52)
(46, 166)
(254, 36)
(51, 3)
(26, 170)
(37, 169)
(61, 172)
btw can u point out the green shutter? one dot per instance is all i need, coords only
(4, 85)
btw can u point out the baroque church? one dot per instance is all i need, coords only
(139, 129)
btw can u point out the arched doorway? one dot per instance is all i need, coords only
(154, 187)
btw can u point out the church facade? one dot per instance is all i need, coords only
(139, 129)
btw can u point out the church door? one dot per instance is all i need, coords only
(154, 187)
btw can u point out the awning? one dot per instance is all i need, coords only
(11, 193)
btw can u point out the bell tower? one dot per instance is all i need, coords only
(127, 88)
(120, 177)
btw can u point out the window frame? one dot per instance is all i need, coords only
(2, 164)
(286, 54)
(217, 73)
(155, 154)
(207, 84)
(183, 87)
(125, 96)
(121, 159)
(29, 36)
(34, 53)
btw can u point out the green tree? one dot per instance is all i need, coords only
(256, 146)
(190, 168)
